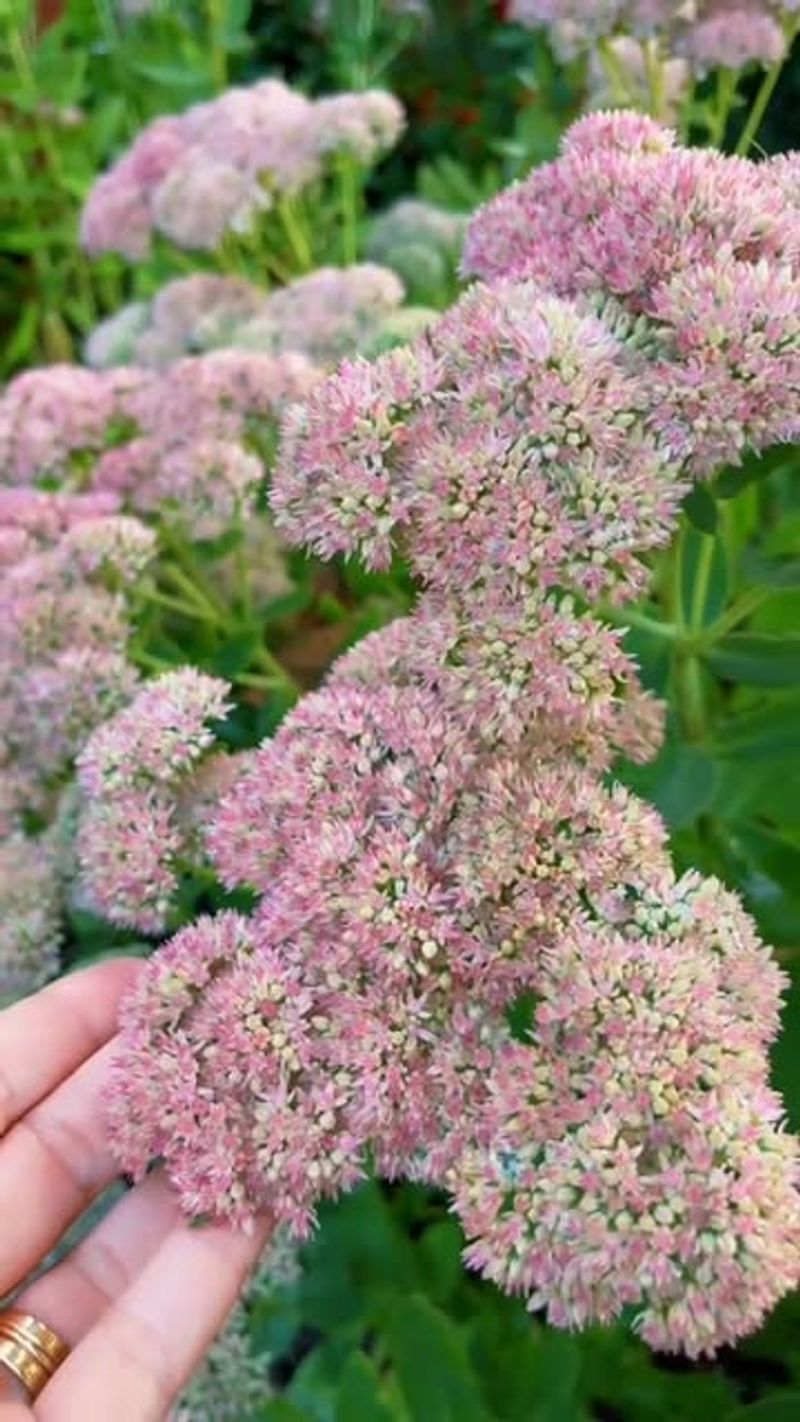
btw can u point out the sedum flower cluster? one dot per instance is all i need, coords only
(334, 311)
(188, 446)
(422, 243)
(470, 960)
(197, 176)
(146, 784)
(707, 34)
(30, 913)
(69, 565)
(186, 442)
(153, 334)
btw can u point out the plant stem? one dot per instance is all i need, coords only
(631, 617)
(295, 231)
(761, 101)
(726, 94)
(205, 609)
(277, 674)
(219, 59)
(260, 683)
(615, 73)
(185, 572)
(735, 614)
(705, 564)
(147, 660)
(243, 571)
(180, 605)
(348, 188)
(655, 79)
(688, 671)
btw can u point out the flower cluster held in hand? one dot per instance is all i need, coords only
(433, 838)
(210, 171)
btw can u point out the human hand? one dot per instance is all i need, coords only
(140, 1299)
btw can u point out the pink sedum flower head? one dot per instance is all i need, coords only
(49, 418)
(135, 774)
(731, 36)
(531, 679)
(70, 566)
(432, 838)
(730, 379)
(272, 1125)
(154, 334)
(200, 175)
(30, 914)
(184, 446)
(128, 849)
(116, 218)
(710, 34)
(203, 198)
(624, 209)
(635, 1156)
(39, 518)
(157, 737)
(679, 240)
(328, 314)
(362, 125)
(493, 448)
(350, 754)
(359, 826)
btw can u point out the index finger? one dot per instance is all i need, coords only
(143, 1350)
(44, 1038)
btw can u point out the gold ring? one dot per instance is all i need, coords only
(29, 1349)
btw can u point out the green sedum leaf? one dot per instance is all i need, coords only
(757, 658)
(430, 1356)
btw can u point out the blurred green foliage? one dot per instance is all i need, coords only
(73, 92)
(385, 1326)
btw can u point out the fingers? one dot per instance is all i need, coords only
(132, 1355)
(133, 1364)
(45, 1037)
(52, 1164)
(13, 1411)
(76, 1293)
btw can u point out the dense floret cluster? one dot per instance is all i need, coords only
(422, 243)
(195, 177)
(145, 783)
(186, 442)
(332, 312)
(470, 960)
(711, 34)
(68, 567)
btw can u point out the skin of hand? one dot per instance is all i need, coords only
(140, 1299)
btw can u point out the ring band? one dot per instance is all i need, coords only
(29, 1349)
